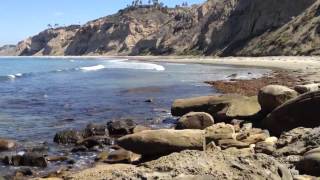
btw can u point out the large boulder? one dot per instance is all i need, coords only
(164, 141)
(272, 96)
(219, 132)
(195, 120)
(310, 164)
(6, 144)
(221, 107)
(299, 112)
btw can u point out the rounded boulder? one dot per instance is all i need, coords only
(195, 120)
(272, 96)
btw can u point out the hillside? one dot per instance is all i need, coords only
(216, 27)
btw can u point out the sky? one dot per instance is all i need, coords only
(20, 19)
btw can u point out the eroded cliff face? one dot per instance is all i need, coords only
(216, 27)
(301, 36)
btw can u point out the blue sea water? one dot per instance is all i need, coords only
(39, 96)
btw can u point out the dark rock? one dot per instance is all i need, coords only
(195, 120)
(28, 159)
(24, 172)
(95, 130)
(310, 164)
(121, 127)
(299, 112)
(81, 148)
(95, 141)
(68, 137)
(56, 158)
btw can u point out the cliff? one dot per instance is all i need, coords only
(216, 27)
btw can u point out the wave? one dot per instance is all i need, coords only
(124, 64)
(92, 68)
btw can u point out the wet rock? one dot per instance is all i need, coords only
(80, 148)
(121, 127)
(299, 112)
(140, 128)
(95, 141)
(163, 141)
(149, 100)
(23, 172)
(310, 164)
(272, 96)
(68, 137)
(28, 159)
(307, 88)
(220, 131)
(223, 108)
(6, 144)
(95, 130)
(56, 158)
(102, 156)
(195, 120)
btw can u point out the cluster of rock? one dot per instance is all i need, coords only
(274, 135)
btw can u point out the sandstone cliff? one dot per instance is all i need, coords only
(216, 27)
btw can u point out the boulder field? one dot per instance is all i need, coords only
(215, 137)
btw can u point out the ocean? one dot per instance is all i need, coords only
(40, 96)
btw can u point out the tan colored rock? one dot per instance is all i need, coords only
(229, 143)
(304, 177)
(140, 128)
(252, 136)
(122, 156)
(195, 120)
(220, 131)
(272, 96)
(221, 107)
(163, 141)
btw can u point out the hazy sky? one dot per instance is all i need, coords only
(22, 18)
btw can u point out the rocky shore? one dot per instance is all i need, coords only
(272, 134)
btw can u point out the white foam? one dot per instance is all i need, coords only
(123, 64)
(92, 68)
(11, 76)
(18, 74)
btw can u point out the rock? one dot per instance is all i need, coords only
(264, 147)
(299, 112)
(6, 144)
(310, 164)
(195, 120)
(68, 137)
(122, 156)
(56, 158)
(304, 177)
(121, 127)
(223, 108)
(23, 172)
(220, 131)
(102, 156)
(90, 142)
(272, 96)
(252, 136)
(307, 88)
(140, 128)
(228, 143)
(163, 141)
(28, 159)
(95, 130)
